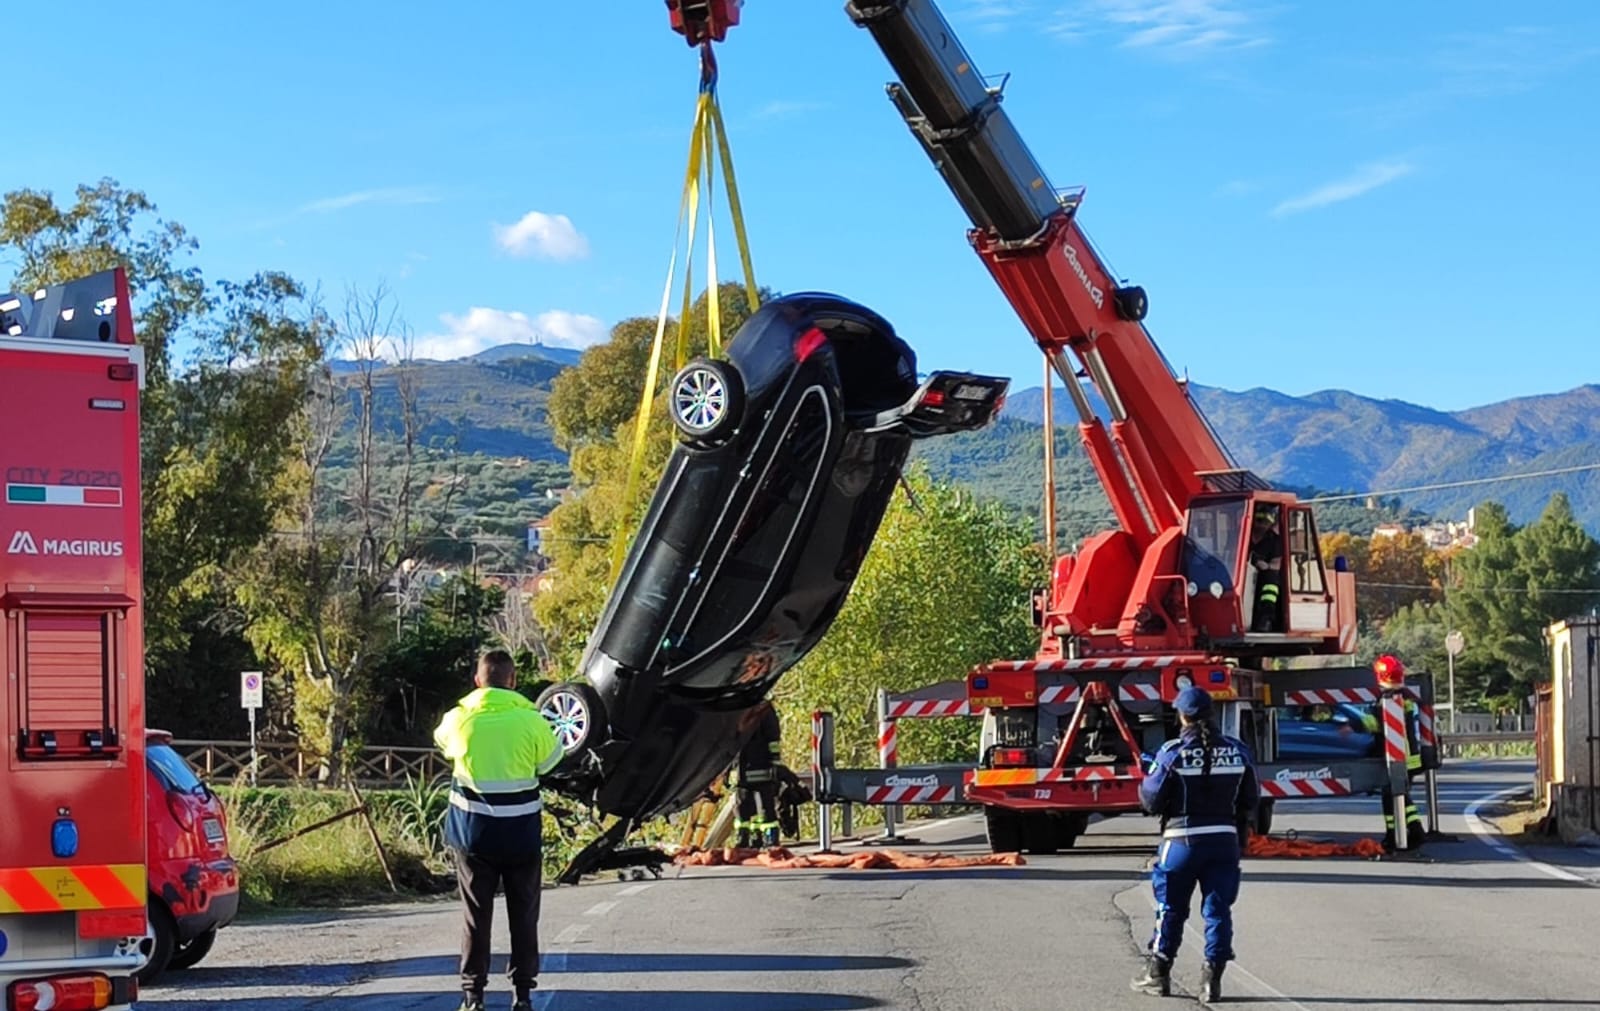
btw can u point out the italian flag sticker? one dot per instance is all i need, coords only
(62, 494)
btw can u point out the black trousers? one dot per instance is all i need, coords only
(758, 806)
(480, 879)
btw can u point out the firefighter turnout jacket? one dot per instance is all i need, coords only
(500, 745)
(1198, 790)
(762, 752)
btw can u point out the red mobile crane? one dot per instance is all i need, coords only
(1210, 575)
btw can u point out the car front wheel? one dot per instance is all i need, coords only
(707, 398)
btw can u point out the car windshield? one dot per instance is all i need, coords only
(174, 773)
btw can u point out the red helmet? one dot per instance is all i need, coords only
(1391, 672)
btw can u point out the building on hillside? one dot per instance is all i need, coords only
(1387, 530)
(538, 535)
(1569, 743)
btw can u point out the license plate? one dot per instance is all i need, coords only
(967, 391)
(213, 828)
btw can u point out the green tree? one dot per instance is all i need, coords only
(945, 586)
(429, 664)
(1515, 582)
(214, 420)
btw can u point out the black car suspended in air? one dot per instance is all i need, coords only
(789, 451)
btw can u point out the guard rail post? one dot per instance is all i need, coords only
(821, 761)
(888, 758)
(847, 813)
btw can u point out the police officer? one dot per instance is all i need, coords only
(1204, 787)
(757, 823)
(500, 745)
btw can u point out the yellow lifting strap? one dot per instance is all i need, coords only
(708, 144)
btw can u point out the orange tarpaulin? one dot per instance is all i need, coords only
(1278, 846)
(782, 859)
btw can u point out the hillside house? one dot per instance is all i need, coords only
(538, 534)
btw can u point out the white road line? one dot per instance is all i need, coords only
(634, 889)
(600, 909)
(572, 933)
(1483, 831)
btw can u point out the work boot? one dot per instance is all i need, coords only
(1211, 982)
(471, 1002)
(522, 1004)
(1157, 977)
(772, 837)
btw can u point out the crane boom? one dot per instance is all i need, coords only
(1187, 512)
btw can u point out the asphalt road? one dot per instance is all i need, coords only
(1467, 925)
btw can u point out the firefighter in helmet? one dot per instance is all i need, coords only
(757, 782)
(1266, 557)
(1392, 678)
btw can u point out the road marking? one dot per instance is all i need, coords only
(1482, 830)
(635, 889)
(600, 908)
(572, 933)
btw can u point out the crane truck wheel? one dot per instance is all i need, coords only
(1068, 827)
(1003, 829)
(1264, 816)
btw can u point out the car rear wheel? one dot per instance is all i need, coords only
(707, 398)
(574, 710)
(187, 956)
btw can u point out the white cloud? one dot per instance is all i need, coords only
(1364, 180)
(780, 108)
(394, 196)
(1182, 25)
(481, 328)
(552, 236)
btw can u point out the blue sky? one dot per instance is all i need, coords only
(1398, 199)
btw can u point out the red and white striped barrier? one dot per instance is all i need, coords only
(1059, 693)
(888, 744)
(1329, 696)
(1093, 663)
(1139, 692)
(912, 795)
(1395, 746)
(901, 708)
(1301, 787)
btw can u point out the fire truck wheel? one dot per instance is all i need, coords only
(160, 940)
(1264, 817)
(187, 956)
(1003, 829)
(1039, 831)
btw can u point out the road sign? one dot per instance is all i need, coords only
(250, 694)
(1454, 643)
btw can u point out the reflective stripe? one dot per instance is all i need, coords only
(1182, 833)
(495, 810)
(499, 786)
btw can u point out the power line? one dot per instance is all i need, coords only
(1456, 484)
(1592, 591)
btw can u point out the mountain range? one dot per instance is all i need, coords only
(493, 403)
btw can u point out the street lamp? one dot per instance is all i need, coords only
(1454, 643)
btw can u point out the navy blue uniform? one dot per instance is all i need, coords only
(1204, 797)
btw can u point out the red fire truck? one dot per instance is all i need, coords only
(72, 786)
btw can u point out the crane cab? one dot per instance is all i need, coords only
(1256, 580)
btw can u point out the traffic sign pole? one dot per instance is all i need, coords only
(1454, 643)
(250, 697)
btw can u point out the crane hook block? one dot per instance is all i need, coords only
(702, 21)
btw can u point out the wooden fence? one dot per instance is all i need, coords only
(1500, 745)
(284, 763)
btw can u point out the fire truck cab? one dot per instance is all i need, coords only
(72, 856)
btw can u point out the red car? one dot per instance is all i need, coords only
(194, 884)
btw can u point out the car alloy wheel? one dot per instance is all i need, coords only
(569, 716)
(706, 399)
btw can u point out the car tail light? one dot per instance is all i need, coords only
(933, 398)
(90, 992)
(181, 813)
(808, 343)
(1012, 756)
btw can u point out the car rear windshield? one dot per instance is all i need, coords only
(172, 770)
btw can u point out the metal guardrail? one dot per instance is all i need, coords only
(285, 763)
(1498, 745)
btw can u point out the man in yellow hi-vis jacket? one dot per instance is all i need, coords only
(500, 745)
